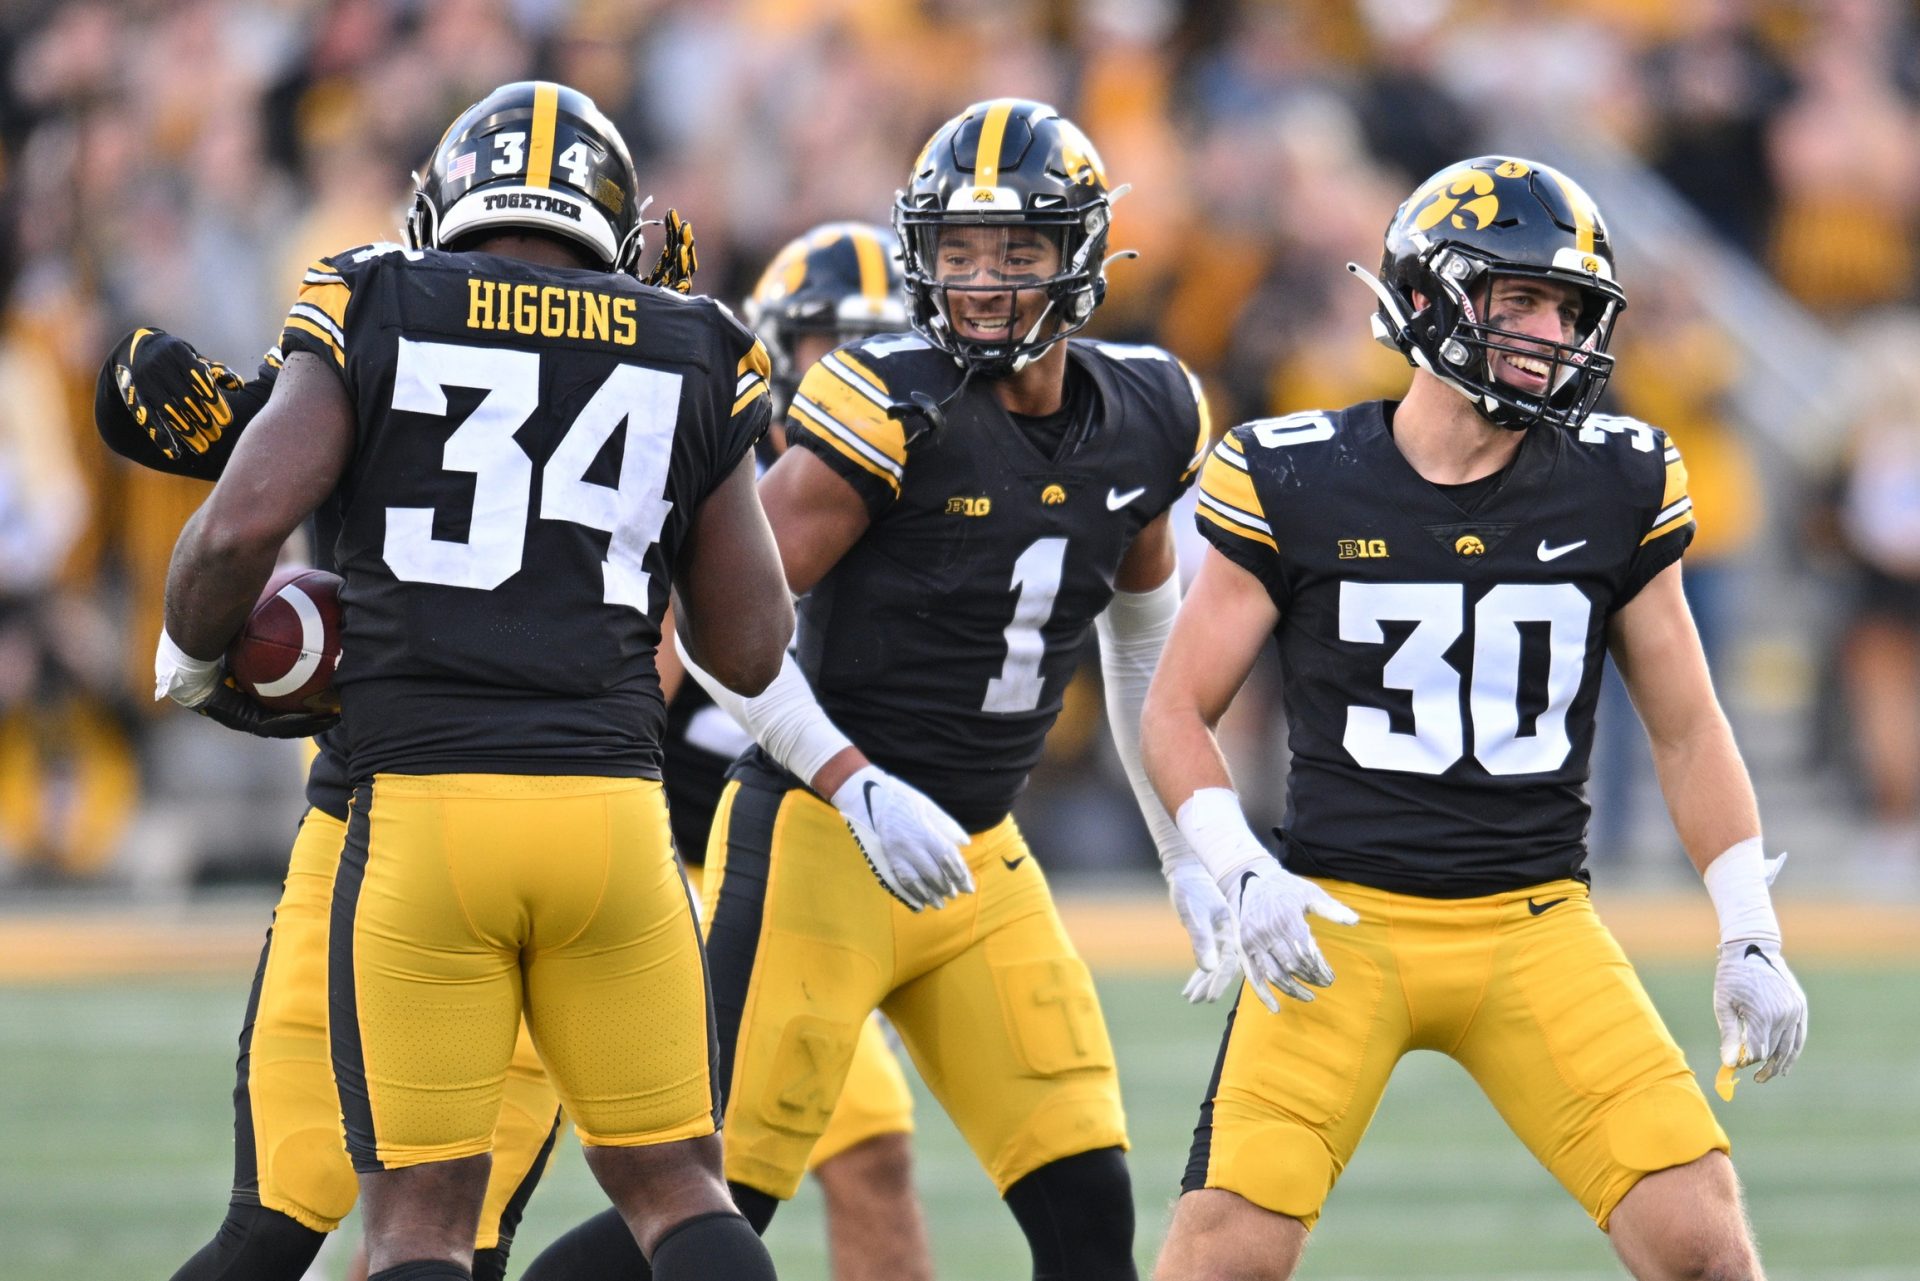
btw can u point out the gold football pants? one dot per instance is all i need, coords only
(290, 1154)
(1526, 990)
(466, 900)
(988, 995)
(876, 1099)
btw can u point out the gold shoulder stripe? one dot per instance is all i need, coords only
(755, 361)
(863, 371)
(758, 390)
(1205, 436)
(810, 419)
(1238, 529)
(324, 268)
(1228, 498)
(546, 109)
(329, 299)
(1676, 482)
(1661, 531)
(307, 326)
(854, 411)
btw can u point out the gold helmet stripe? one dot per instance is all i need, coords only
(873, 265)
(1582, 206)
(993, 134)
(546, 106)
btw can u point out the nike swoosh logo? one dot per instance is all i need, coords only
(1116, 500)
(1013, 863)
(866, 798)
(1753, 949)
(1537, 908)
(1545, 552)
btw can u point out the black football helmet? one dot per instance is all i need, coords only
(841, 279)
(531, 156)
(1498, 216)
(1008, 162)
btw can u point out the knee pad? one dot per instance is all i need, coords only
(1077, 1214)
(254, 1244)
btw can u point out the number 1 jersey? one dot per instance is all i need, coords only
(532, 444)
(1440, 666)
(943, 642)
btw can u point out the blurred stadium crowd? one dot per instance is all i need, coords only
(179, 164)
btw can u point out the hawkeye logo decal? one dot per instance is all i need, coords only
(961, 505)
(1469, 192)
(1469, 545)
(1053, 495)
(1363, 548)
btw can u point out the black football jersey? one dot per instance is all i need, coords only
(533, 442)
(942, 642)
(1440, 667)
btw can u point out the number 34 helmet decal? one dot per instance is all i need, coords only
(533, 156)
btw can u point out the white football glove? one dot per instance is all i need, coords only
(1760, 1008)
(1208, 922)
(1275, 940)
(1203, 911)
(911, 844)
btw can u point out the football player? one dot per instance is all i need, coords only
(833, 284)
(1444, 576)
(507, 848)
(959, 508)
(164, 406)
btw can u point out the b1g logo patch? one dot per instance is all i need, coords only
(961, 505)
(1363, 548)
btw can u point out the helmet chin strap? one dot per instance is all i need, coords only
(1392, 332)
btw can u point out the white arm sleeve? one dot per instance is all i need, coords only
(1133, 630)
(785, 718)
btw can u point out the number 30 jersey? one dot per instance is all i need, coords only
(1440, 667)
(943, 641)
(532, 445)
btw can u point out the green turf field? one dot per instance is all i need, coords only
(117, 1133)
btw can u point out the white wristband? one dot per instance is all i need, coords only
(180, 676)
(1214, 826)
(1737, 884)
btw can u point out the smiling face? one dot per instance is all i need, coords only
(983, 268)
(1546, 311)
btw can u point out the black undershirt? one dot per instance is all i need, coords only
(1050, 432)
(1469, 495)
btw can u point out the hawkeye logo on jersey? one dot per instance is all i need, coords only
(1053, 495)
(1469, 545)
(1363, 548)
(961, 505)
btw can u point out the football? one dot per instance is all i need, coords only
(286, 654)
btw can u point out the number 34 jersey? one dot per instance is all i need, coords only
(1440, 666)
(532, 444)
(943, 641)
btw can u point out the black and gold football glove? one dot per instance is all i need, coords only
(677, 262)
(231, 707)
(177, 395)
